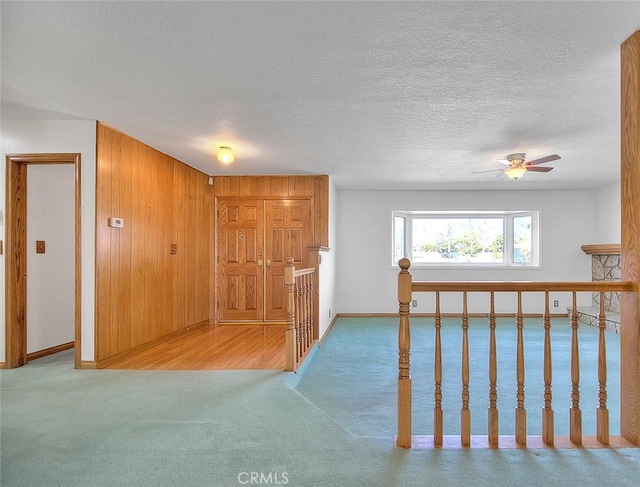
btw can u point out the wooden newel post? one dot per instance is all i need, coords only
(290, 336)
(630, 242)
(404, 346)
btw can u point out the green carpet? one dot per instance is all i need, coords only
(332, 427)
(368, 348)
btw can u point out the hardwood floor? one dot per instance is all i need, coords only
(212, 347)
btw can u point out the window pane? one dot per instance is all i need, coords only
(522, 250)
(398, 239)
(458, 240)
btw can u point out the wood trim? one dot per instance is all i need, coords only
(41, 158)
(88, 365)
(630, 241)
(321, 210)
(77, 336)
(15, 266)
(601, 249)
(367, 315)
(319, 248)
(49, 351)
(2, 365)
(251, 323)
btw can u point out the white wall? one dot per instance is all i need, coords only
(51, 275)
(59, 136)
(607, 216)
(327, 276)
(366, 281)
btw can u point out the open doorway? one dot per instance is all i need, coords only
(18, 249)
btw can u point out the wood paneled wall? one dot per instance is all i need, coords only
(315, 187)
(143, 291)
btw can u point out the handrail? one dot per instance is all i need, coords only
(524, 286)
(304, 272)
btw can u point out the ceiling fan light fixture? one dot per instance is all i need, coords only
(225, 155)
(517, 159)
(515, 173)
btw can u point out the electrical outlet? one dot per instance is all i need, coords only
(556, 303)
(414, 303)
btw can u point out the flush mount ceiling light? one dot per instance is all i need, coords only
(225, 155)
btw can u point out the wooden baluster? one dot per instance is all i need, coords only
(548, 434)
(310, 311)
(290, 337)
(521, 413)
(465, 414)
(299, 328)
(493, 378)
(602, 413)
(303, 314)
(575, 415)
(437, 410)
(404, 362)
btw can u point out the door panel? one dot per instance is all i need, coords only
(289, 233)
(240, 271)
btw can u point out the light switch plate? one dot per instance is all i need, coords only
(40, 247)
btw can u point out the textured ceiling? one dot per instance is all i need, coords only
(380, 95)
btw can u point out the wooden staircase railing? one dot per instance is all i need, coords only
(300, 289)
(406, 288)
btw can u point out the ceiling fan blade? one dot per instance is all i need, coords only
(542, 160)
(539, 169)
(488, 170)
(506, 162)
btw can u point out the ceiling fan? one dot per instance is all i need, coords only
(517, 165)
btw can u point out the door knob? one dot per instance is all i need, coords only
(259, 262)
(268, 263)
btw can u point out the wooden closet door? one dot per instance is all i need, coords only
(289, 232)
(241, 269)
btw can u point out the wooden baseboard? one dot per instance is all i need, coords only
(49, 351)
(252, 323)
(88, 364)
(1, 365)
(367, 315)
(105, 362)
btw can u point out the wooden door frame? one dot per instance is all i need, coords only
(16, 255)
